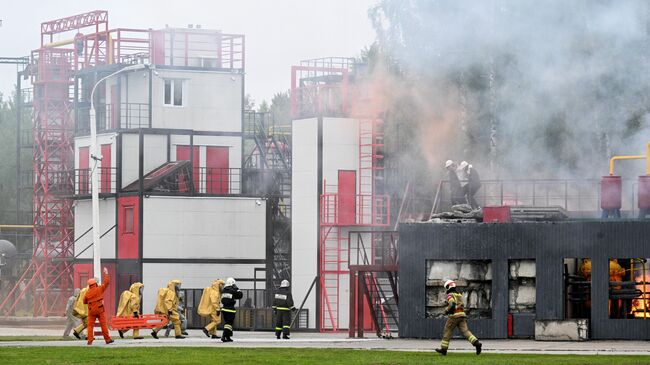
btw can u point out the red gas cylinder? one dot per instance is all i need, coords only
(497, 214)
(611, 192)
(644, 192)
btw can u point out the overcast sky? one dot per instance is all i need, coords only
(279, 33)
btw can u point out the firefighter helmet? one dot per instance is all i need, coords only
(230, 282)
(92, 281)
(449, 163)
(450, 284)
(463, 165)
(285, 284)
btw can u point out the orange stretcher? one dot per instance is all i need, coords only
(140, 322)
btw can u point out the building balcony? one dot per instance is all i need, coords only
(113, 117)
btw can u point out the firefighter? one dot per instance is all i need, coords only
(130, 305)
(167, 305)
(473, 183)
(80, 310)
(229, 297)
(210, 306)
(71, 320)
(95, 299)
(181, 315)
(282, 307)
(457, 318)
(456, 191)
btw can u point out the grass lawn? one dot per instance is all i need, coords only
(241, 356)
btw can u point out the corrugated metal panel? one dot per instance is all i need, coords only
(547, 243)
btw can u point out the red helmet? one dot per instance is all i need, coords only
(450, 284)
(92, 281)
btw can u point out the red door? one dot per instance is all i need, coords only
(84, 172)
(347, 192)
(106, 170)
(128, 227)
(217, 171)
(183, 154)
(83, 272)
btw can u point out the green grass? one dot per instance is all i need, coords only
(242, 356)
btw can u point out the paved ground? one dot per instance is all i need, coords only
(340, 340)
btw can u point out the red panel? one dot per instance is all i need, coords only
(84, 174)
(217, 171)
(128, 231)
(82, 272)
(183, 154)
(347, 191)
(105, 177)
(158, 45)
(497, 214)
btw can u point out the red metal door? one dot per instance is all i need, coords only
(106, 171)
(84, 172)
(217, 170)
(158, 45)
(347, 192)
(183, 154)
(128, 227)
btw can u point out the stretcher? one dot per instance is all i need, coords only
(140, 322)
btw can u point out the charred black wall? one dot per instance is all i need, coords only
(547, 243)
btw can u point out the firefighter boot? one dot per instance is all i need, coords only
(442, 352)
(285, 336)
(478, 346)
(277, 334)
(206, 333)
(120, 333)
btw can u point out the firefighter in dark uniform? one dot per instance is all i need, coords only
(457, 318)
(282, 306)
(229, 297)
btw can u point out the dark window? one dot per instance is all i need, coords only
(128, 219)
(168, 92)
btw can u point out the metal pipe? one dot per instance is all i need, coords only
(618, 158)
(59, 43)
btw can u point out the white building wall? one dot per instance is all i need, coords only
(83, 221)
(203, 228)
(340, 152)
(304, 215)
(192, 276)
(212, 101)
(155, 154)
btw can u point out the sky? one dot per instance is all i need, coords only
(279, 33)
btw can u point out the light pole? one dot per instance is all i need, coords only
(94, 178)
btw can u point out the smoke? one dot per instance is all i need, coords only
(520, 88)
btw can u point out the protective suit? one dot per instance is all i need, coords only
(229, 297)
(95, 299)
(167, 304)
(80, 310)
(129, 305)
(282, 306)
(181, 314)
(210, 306)
(71, 320)
(456, 319)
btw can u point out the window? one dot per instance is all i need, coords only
(473, 280)
(128, 219)
(174, 92)
(577, 287)
(629, 288)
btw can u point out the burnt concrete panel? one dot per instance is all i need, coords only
(546, 243)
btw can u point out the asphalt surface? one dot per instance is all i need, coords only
(246, 339)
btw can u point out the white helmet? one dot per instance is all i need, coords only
(450, 284)
(285, 284)
(449, 163)
(230, 282)
(463, 165)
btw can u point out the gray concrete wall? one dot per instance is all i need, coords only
(547, 243)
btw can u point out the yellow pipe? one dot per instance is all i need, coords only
(59, 43)
(25, 226)
(645, 157)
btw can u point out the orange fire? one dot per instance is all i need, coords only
(641, 306)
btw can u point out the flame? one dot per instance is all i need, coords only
(641, 306)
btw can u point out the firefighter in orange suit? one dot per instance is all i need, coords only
(457, 318)
(95, 300)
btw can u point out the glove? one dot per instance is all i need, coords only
(135, 314)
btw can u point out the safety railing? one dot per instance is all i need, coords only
(355, 210)
(113, 116)
(372, 248)
(219, 181)
(577, 196)
(107, 180)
